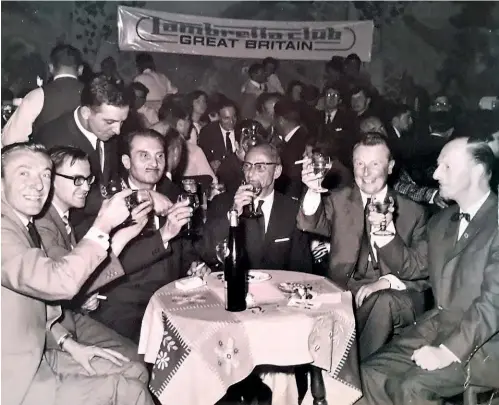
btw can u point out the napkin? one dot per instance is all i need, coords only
(189, 283)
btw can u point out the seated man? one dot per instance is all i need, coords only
(457, 342)
(155, 258)
(386, 274)
(30, 279)
(71, 186)
(271, 241)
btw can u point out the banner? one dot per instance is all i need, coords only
(157, 31)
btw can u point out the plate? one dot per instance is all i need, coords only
(254, 276)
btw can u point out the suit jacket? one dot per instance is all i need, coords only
(344, 120)
(340, 216)
(230, 173)
(29, 278)
(211, 140)
(64, 131)
(58, 243)
(284, 246)
(289, 183)
(465, 280)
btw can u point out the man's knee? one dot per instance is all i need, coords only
(134, 392)
(136, 370)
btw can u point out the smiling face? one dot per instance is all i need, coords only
(372, 165)
(147, 161)
(227, 118)
(26, 181)
(104, 121)
(66, 194)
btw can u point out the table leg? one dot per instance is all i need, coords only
(317, 386)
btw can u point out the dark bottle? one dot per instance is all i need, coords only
(234, 270)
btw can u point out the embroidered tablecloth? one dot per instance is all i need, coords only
(199, 349)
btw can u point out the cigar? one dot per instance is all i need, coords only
(101, 297)
(299, 162)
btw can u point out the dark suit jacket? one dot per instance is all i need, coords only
(340, 216)
(285, 247)
(230, 173)
(289, 183)
(344, 120)
(211, 141)
(64, 131)
(465, 281)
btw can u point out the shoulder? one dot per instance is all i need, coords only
(286, 204)
(408, 206)
(52, 129)
(34, 96)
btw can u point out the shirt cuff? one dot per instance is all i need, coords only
(433, 197)
(449, 354)
(99, 237)
(394, 281)
(311, 202)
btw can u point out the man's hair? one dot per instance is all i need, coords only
(263, 98)
(145, 133)
(254, 68)
(171, 113)
(481, 153)
(61, 154)
(271, 61)
(65, 55)
(140, 87)
(107, 63)
(287, 109)
(270, 150)
(373, 139)
(353, 57)
(358, 89)
(8, 150)
(100, 90)
(398, 110)
(144, 61)
(336, 63)
(227, 103)
(332, 86)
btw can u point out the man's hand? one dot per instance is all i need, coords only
(140, 216)
(368, 289)
(439, 201)
(176, 217)
(244, 195)
(113, 212)
(376, 219)
(83, 355)
(432, 358)
(91, 303)
(311, 180)
(215, 164)
(161, 203)
(198, 269)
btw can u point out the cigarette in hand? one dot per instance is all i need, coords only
(299, 162)
(101, 297)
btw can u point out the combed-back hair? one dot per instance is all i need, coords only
(65, 55)
(396, 110)
(146, 133)
(8, 150)
(373, 139)
(255, 67)
(144, 61)
(140, 87)
(100, 90)
(61, 154)
(270, 150)
(481, 153)
(287, 109)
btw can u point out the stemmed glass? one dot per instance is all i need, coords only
(321, 163)
(256, 189)
(383, 207)
(190, 194)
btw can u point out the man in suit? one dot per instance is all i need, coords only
(155, 258)
(386, 274)
(217, 139)
(272, 241)
(30, 279)
(92, 127)
(295, 137)
(251, 90)
(49, 102)
(457, 342)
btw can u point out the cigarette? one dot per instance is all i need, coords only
(299, 162)
(101, 297)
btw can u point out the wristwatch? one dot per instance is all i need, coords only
(63, 339)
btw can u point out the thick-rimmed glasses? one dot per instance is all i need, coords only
(260, 167)
(79, 180)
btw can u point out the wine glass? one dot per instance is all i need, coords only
(222, 251)
(194, 204)
(256, 189)
(383, 207)
(135, 199)
(321, 163)
(112, 187)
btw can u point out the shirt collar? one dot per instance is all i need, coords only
(397, 132)
(476, 206)
(291, 133)
(65, 75)
(380, 196)
(169, 175)
(256, 84)
(224, 131)
(133, 186)
(92, 138)
(61, 213)
(23, 218)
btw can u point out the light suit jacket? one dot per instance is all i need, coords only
(29, 279)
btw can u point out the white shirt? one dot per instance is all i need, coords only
(290, 134)
(231, 136)
(463, 224)
(268, 201)
(397, 132)
(158, 84)
(92, 138)
(274, 84)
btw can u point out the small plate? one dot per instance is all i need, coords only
(254, 276)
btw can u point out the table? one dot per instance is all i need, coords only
(198, 349)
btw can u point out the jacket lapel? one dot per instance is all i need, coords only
(273, 226)
(61, 227)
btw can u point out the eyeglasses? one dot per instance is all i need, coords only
(260, 167)
(79, 180)
(332, 95)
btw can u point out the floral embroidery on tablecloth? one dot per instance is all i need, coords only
(168, 342)
(189, 299)
(227, 355)
(162, 360)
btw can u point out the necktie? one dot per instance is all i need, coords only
(66, 224)
(261, 218)
(457, 216)
(35, 236)
(228, 142)
(100, 153)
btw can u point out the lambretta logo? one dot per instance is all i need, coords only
(302, 38)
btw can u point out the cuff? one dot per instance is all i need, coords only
(433, 197)
(311, 202)
(449, 354)
(395, 283)
(99, 237)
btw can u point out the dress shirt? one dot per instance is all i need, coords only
(274, 84)
(92, 138)
(20, 125)
(463, 224)
(231, 136)
(268, 201)
(158, 84)
(330, 116)
(290, 134)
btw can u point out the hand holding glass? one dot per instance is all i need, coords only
(256, 190)
(383, 207)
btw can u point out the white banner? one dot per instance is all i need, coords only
(157, 31)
